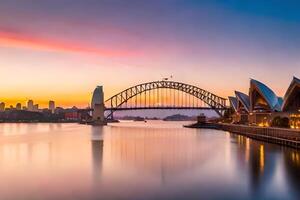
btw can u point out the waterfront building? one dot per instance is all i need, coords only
(263, 102)
(30, 105)
(18, 106)
(262, 98)
(233, 103)
(2, 106)
(52, 106)
(263, 105)
(243, 107)
(291, 101)
(72, 115)
(36, 107)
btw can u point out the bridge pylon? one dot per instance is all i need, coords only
(98, 107)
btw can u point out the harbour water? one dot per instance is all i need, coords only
(138, 160)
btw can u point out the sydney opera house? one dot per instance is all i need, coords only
(261, 105)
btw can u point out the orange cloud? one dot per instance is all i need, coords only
(15, 39)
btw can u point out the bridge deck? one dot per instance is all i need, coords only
(164, 108)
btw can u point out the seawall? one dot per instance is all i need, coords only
(287, 137)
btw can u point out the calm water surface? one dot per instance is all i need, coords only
(137, 160)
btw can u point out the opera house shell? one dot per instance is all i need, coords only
(243, 103)
(262, 98)
(262, 104)
(291, 101)
(233, 103)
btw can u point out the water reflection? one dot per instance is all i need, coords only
(271, 167)
(166, 153)
(97, 152)
(292, 164)
(141, 161)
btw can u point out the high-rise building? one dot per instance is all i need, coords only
(2, 106)
(30, 105)
(52, 106)
(36, 107)
(18, 106)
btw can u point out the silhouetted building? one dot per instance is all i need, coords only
(20, 115)
(18, 106)
(30, 105)
(36, 107)
(2, 106)
(52, 106)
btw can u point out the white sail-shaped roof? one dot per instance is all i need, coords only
(293, 85)
(233, 102)
(270, 97)
(244, 99)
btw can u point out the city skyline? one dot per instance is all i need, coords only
(215, 45)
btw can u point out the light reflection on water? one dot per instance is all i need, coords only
(137, 160)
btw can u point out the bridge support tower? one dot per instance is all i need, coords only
(98, 107)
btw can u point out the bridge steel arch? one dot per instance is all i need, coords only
(215, 102)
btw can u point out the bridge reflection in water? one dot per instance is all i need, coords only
(166, 155)
(157, 160)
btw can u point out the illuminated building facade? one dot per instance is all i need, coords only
(262, 104)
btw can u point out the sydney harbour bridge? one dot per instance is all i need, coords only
(163, 94)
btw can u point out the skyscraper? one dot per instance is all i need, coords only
(36, 107)
(18, 106)
(30, 105)
(52, 106)
(2, 106)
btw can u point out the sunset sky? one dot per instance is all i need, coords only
(62, 49)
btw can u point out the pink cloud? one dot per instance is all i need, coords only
(21, 40)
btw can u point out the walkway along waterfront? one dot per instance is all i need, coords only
(287, 137)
